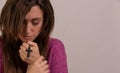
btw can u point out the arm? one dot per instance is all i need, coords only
(57, 57)
(1, 63)
(39, 66)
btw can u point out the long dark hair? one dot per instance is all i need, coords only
(11, 19)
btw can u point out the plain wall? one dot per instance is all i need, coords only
(90, 31)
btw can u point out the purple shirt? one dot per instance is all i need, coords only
(57, 59)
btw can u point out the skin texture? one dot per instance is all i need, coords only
(33, 24)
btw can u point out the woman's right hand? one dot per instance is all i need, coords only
(39, 66)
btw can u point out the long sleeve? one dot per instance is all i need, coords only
(57, 57)
(0, 61)
(1, 67)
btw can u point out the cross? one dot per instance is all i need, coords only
(28, 52)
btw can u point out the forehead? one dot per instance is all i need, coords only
(35, 12)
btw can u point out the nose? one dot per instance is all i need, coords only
(28, 28)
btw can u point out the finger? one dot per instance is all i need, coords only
(31, 57)
(22, 55)
(34, 47)
(44, 68)
(25, 45)
(23, 49)
(29, 61)
(47, 71)
(43, 63)
(39, 60)
(32, 43)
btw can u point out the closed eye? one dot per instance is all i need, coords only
(36, 21)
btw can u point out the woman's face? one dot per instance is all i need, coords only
(33, 23)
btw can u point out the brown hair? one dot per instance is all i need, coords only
(11, 19)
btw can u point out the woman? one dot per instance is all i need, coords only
(26, 46)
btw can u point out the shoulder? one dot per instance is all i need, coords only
(57, 58)
(55, 42)
(56, 49)
(56, 45)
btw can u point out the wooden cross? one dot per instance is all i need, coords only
(28, 52)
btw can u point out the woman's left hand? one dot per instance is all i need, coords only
(34, 53)
(39, 66)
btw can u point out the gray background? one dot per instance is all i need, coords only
(90, 31)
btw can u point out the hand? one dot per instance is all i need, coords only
(39, 66)
(33, 55)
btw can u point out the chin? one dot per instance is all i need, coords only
(25, 40)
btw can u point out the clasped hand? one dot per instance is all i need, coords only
(36, 62)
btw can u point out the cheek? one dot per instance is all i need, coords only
(38, 29)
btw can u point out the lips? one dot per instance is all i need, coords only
(28, 37)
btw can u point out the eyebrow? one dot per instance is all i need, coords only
(36, 19)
